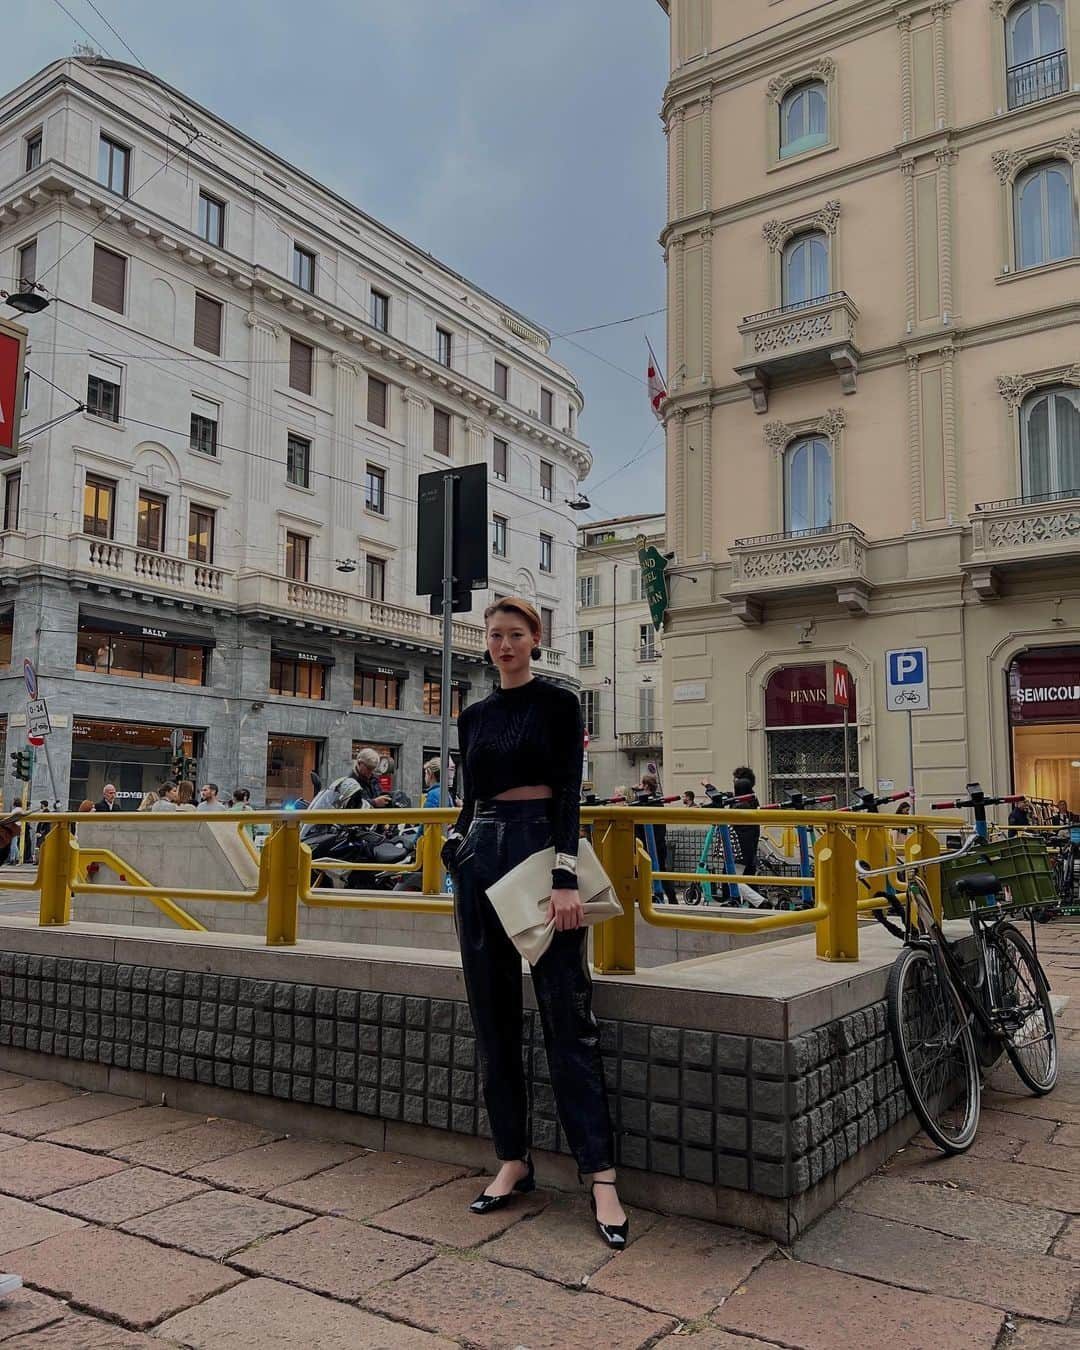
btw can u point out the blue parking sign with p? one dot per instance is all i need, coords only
(907, 680)
(907, 667)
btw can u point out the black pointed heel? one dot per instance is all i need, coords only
(615, 1235)
(486, 1204)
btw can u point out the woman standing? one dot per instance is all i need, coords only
(521, 751)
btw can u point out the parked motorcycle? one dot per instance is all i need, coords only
(364, 842)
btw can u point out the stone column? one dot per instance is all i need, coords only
(416, 412)
(347, 482)
(261, 445)
(475, 441)
(914, 442)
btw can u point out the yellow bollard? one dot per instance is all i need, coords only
(923, 844)
(430, 859)
(57, 868)
(284, 876)
(837, 890)
(614, 941)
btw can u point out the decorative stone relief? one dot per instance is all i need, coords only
(823, 68)
(1046, 527)
(774, 232)
(813, 329)
(833, 422)
(828, 217)
(777, 435)
(254, 320)
(1072, 375)
(1014, 389)
(1006, 162)
(1069, 144)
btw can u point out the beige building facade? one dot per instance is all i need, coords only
(873, 427)
(618, 653)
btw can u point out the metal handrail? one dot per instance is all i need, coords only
(914, 865)
(787, 536)
(1042, 77)
(834, 297)
(1033, 499)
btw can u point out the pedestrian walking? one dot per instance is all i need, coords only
(747, 836)
(208, 798)
(147, 803)
(108, 799)
(41, 829)
(168, 796)
(649, 788)
(521, 761)
(185, 796)
(241, 801)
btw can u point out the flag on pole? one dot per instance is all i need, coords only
(657, 388)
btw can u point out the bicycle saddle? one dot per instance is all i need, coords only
(979, 883)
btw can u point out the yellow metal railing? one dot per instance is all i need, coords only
(285, 877)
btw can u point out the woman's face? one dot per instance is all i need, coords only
(510, 641)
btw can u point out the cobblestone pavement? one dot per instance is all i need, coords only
(143, 1226)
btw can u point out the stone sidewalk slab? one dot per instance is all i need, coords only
(265, 1315)
(1057, 1156)
(124, 1195)
(258, 1170)
(496, 1308)
(1020, 1183)
(367, 1184)
(1040, 1336)
(10, 1141)
(442, 1215)
(10, 1080)
(336, 1257)
(561, 1243)
(118, 1277)
(85, 1333)
(814, 1308)
(181, 1149)
(860, 1244)
(960, 1214)
(683, 1267)
(26, 1312)
(710, 1339)
(215, 1224)
(128, 1127)
(23, 1224)
(39, 1120)
(1067, 1246)
(33, 1092)
(39, 1169)
(1068, 1134)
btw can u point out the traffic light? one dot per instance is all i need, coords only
(21, 765)
(183, 767)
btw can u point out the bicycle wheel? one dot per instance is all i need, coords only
(1026, 1015)
(934, 1050)
(693, 893)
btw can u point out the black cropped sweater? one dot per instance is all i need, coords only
(528, 736)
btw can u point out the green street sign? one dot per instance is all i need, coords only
(653, 580)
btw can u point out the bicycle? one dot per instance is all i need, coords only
(938, 997)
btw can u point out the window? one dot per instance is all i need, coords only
(547, 480)
(297, 679)
(99, 502)
(301, 365)
(590, 711)
(502, 380)
(376, 401)
(1036, 59)
(588, 591)
(498, 535)
(380, 311)
(432, 698)
(298, 462)
(297, 553)
(646, 642)
(25, 390)
(114, 160)
(132, 656)
(110, 277)
(33, 150)
(12, 488)
(586, 647)
(571, 418)
(1046, 226)
(103, 391)
(375, 577)
(440, 431)
(547, 622)
(600, 537)
(26, 263)
(444, 346)
(807, 485)
(208, 315)
(204, 426)
(150, 525)
(200, 539)
(375, 489)
(646, 702)
(500, 460)
(546, 543)
(547, 407)
(211, 219)
(1050, 442)
(377, 689)
(804, 266)
(804, 119)
(635, 584)
(303, 268)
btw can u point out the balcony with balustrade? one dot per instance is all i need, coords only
(129, 570)
(799, 339)
(1033, 81)
(629, 741)
(1022, 534)
(831, 560)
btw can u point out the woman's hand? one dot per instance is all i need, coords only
(565, 908)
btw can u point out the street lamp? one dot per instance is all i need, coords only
(345, 564)
(27, 301)
(580, 503)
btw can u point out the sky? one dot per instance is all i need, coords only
(519, 141)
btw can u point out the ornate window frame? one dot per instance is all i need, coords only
(999, 11)
(1014, 389)
(819, 68)
(778, 233)
(1009, 164)
(829, 426)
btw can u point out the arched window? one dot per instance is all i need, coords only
(804, 119)
(1035, 51)
(808, 485)
(1050, 442)
(1045, 214)
(804, 269)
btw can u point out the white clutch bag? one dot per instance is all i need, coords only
(521, 899)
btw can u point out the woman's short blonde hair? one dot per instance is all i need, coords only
(433, 767)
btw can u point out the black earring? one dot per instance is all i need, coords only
(486, 658)
(535, 654)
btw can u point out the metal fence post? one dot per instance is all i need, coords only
(283, 884)
(56, 872)
(431, 842)
(923, 844)
(614, 941)
(837, 889)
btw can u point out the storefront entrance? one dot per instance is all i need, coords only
(1044, 714)
(290, 762)
(134, 756)
(804, 736)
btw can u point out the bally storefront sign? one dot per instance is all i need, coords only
(12, 356)
(1044, 686)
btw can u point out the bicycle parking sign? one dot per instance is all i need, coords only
(907, 680)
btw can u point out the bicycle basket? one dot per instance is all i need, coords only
(1021, 865)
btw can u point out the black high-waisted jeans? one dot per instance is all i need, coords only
(503, 834)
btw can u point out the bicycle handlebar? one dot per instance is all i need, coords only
(962, 802)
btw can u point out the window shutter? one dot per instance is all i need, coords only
(376, 401)
(208, 324)
(301, 362)
(28, 262)
(110, 272)
(441, 432)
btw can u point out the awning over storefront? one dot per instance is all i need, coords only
(306, 654)
(163, 630)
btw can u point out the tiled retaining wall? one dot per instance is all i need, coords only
(771, 1117)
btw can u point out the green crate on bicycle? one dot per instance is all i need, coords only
(1021, 865)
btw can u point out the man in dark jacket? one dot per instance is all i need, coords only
(748, 836)
(108, 799)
